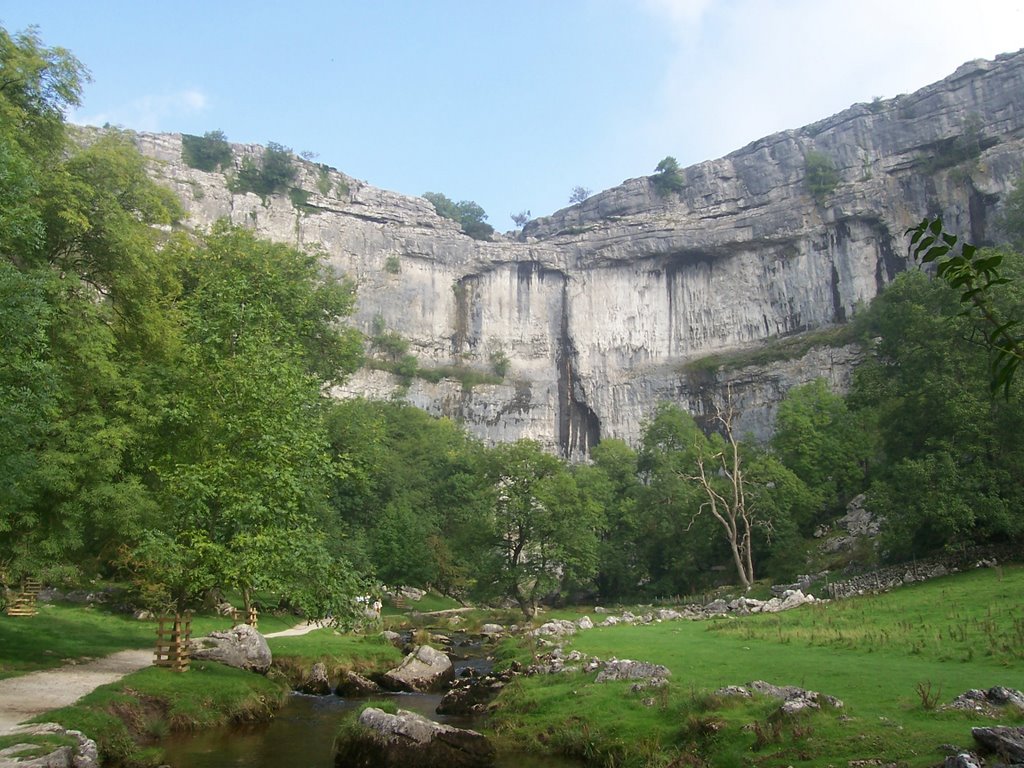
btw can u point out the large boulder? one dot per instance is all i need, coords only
(354, 686)
(242, 647)
(408, 740)
(1004, 741)
(425, 669)
(316, 682)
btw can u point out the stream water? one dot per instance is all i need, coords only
(302, 736)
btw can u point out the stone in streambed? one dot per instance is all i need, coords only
(408, 740)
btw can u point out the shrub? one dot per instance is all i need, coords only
(820, 175)
(667, 176)
(499, 362)
(392, 264)
(273, 174)
(207, 152)
(323, 180)
(300, 199)
(469, 215)
(579, 194)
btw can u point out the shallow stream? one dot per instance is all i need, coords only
(302, 735)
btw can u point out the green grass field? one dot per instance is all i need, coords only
(875, 653)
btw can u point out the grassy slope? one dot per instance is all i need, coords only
(955, 633)
(60, 633)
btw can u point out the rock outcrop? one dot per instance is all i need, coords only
(408, 740)
(794, 699)
(83, 755)
(425, 669)
(242, 647)
(1003, 741)
(316, 682)
(608, 306)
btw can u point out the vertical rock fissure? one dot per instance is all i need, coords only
(461, 289)
(579, 427)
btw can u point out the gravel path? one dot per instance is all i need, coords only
(33, 694)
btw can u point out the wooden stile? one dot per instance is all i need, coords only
(172, 639)
(24, 603)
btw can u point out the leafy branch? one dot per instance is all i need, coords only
(974, 273)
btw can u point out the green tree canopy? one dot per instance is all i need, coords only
(543, 527)
(471, 217)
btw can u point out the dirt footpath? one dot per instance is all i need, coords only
(30, 695)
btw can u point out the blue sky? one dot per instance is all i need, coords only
(508, 104)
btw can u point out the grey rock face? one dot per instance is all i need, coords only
(241, 647)
(425, 669)
(603, 307)
(408, 740)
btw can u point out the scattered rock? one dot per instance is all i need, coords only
(393, 638)
(471, 695)
(716, 607)
(625, 669)
(425, 669)
(793, 699)
(585, 623)
(408, 740)
(992, 702)
(556, 628)
(492, 630)
(1004, 741)
(963, 760)
(734, 690)
(316, 683)
(83, 755)
(242, 647)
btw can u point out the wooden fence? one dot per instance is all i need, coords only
(253, 619)
(172, 638)
(24, 603)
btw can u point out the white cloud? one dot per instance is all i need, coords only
(681, 14)
(150, 112)
(741, 69)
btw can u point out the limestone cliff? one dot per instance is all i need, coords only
(603, 307)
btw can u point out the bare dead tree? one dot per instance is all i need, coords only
(727, 500)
